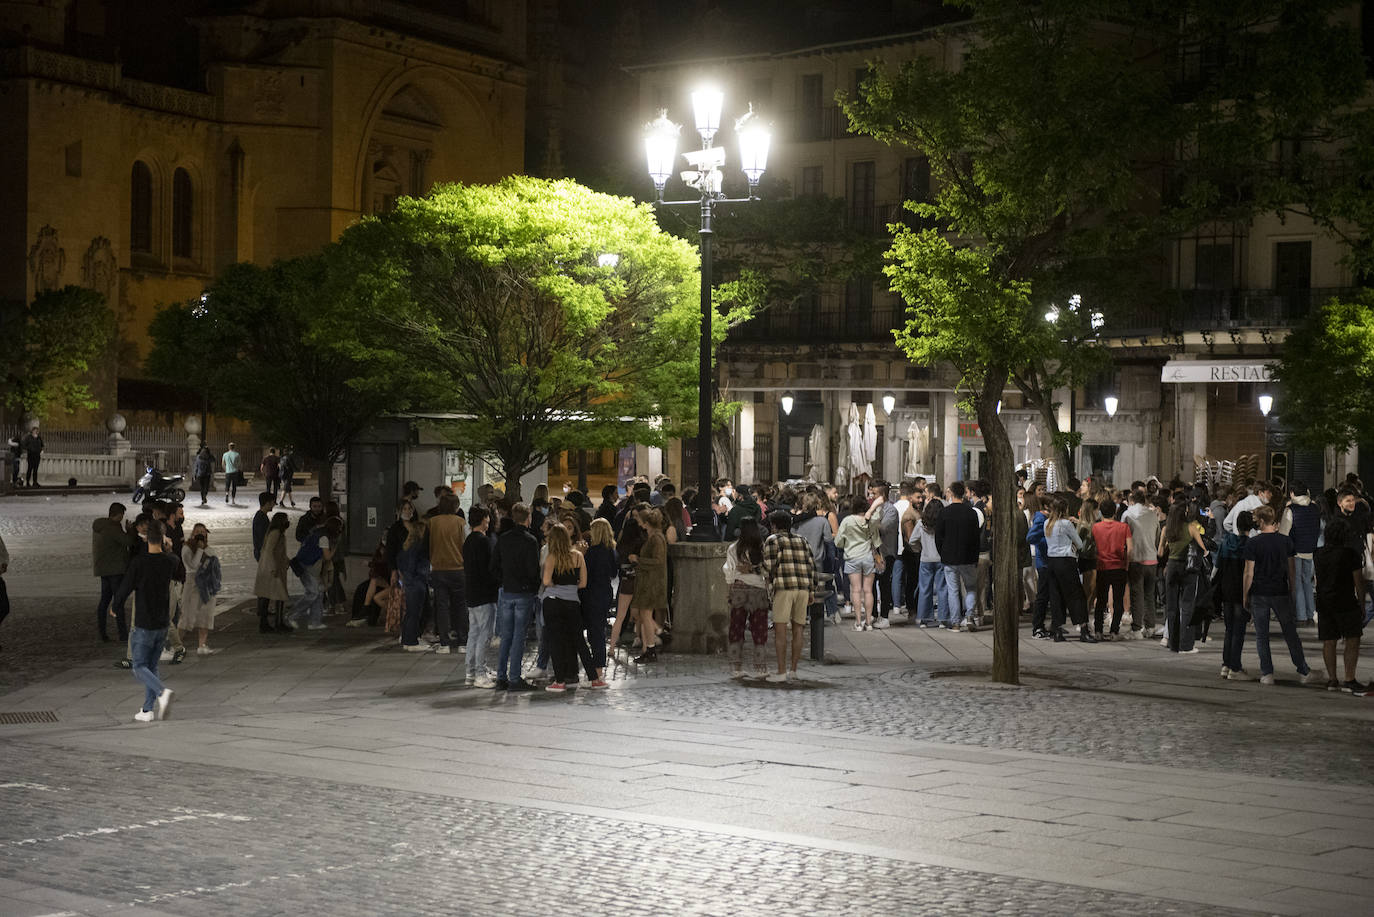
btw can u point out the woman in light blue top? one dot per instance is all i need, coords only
(1061, 549)
(858, 539)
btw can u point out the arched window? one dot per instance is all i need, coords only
(182, 214)
(141, 209)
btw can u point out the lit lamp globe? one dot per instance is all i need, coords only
(787, 402)
(1266, 404)
(889, 402)
(1110, 403)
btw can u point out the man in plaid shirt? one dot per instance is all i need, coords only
(790, 569)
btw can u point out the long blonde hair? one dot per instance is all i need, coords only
(601, 533)
(561, 550)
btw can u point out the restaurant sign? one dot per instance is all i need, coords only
(1214, 371)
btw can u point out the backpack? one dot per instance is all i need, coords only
(310, 552)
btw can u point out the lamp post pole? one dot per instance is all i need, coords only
(660, 146)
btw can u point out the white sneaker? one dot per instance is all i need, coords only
(899, 610)
(1304, 679)
(737, 674)
(538, 673)
(858, 625)
(444, 650)
(1187, 652)
(881, 624)
(793, 677)
(416, 648)
(357, 622)
(166, 656)
(460, 649)
(431, 637)
(1266, 679)
(163, 705)
(1241, 675)
(777, 677)
(1163, 641)
(144, 716)
(205, 651)
(1225, 672)
(1133, 635)
(484, 681)
(470, 680)
(316, 626)
(1159, 631)
(847, 611)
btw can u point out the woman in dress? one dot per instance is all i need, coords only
(747, 597)
(198, 602)
(270, 583)
(651, 582)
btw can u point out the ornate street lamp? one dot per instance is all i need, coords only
(1266, 404)
(1110, 404)
(787, 402)
(889, 402)
(705, 176)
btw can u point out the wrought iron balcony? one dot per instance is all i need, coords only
(1207, 310)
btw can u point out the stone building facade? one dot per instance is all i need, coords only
(146, 152)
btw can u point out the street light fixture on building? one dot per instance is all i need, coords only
(1110, 404)
(705, 176)
(1266, 404)
(889, 402)
(787, 401)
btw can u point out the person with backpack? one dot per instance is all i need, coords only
(287, 468)
(203, 579)
(308, 564)
(1302, 522)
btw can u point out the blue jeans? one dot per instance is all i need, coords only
(481, 624)
(961, 581)
(311, 604)
(1303, 601)
(513, 610)
(926, 589)
(1282, 608)
(147, 647)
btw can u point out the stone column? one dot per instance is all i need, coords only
(746, 439)
(701, 617)
(949, 467)
(116, 444)
(192, 427)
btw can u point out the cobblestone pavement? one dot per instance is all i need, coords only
(1087, 723)
(228, 842)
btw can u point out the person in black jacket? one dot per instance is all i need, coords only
(309, 520)
(515, 566)
(482, 589)
(150, 576)
(262, 521)
(957, 539)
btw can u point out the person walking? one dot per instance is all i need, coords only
(515, 565)
(270, 469)
(32, 445)
(482, 588)
(269, 586)
(1268, 590)
(112, 544)
(203, 578)
(149, 578)
(287, 469)
(203, 472)
(747, 597)
(232, 475)
(790, 569)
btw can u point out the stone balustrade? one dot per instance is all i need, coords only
(112, 470)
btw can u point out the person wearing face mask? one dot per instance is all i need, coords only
(202, 585)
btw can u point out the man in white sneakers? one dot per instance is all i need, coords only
(150, 576)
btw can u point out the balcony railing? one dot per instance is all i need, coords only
(804, 326)
(1208, 310)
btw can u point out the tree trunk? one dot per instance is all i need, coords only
(511, 470)
(326, 481)
(1006, 572)
(582, 471)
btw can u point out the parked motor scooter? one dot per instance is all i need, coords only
(154, 485)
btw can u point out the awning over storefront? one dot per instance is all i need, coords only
(1216, 371)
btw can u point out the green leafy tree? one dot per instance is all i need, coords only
(496, 294)
(1066, 149)
(47, 347)
(1326, 376)
(257, 342)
